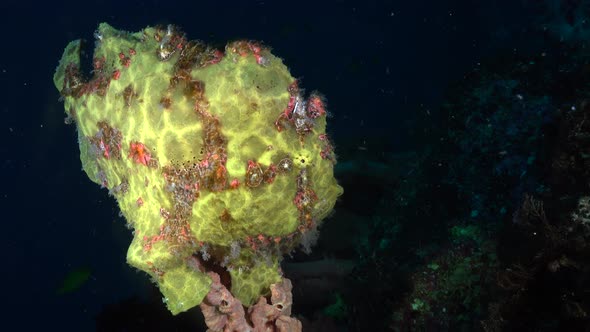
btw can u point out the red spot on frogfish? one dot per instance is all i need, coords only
(139, 153)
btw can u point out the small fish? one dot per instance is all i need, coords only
(75, 279)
